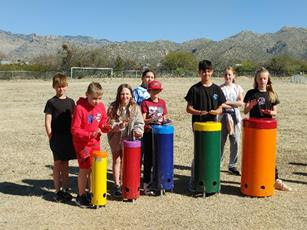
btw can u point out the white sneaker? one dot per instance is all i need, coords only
(147, 189)
(280, 185)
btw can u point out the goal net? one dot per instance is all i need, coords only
(90, 72)
(299, 79)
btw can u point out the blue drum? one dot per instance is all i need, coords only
(163, 163)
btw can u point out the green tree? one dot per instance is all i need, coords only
(246, 67)
(285, 65)
(118, 63)
(66, 61)
(2, 56)
(179, 61)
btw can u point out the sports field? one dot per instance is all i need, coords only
(26, 187)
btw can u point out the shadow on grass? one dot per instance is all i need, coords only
(227, 187)
(295, 181)
(182, 167)
(26, 190)
(41, 188)
(231, 190)
(300, 173)
(298, 163)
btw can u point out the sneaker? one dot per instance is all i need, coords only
(280, 185)
(59, 196)
(147, 189)
(234, 171)
(88, 196)
(117, 191)
(191, 187)
(82, 201)
(66, 195)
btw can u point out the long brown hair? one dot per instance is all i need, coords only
(272, 95)
(112, 113)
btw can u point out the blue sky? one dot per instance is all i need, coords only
(143, 20)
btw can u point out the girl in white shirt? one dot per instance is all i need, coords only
(231, 118)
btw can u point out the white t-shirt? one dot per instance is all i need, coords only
(232, 93)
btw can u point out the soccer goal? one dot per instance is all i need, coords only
(92, 72)
(299, 79)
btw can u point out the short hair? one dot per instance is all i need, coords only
(147, 71)
(59, 80)
(94, 88)
(204, 65)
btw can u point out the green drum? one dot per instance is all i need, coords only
(207, 155)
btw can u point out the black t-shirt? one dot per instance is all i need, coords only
(263, 103)
(61, 111)
(205, 99)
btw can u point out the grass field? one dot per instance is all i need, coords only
(26, 187)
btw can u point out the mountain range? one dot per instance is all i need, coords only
(246, 45)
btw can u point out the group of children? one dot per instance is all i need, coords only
(74, 130)
(208, 102)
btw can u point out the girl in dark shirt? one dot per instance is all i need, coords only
(261, 102)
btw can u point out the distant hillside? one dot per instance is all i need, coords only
(244, 45)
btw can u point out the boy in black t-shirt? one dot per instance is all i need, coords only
(58, 114)
(204, 100)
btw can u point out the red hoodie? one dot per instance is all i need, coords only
(86, 120)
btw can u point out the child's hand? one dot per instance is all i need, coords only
(166, 121)
(203, 113)
(96, 134)
(123, 124)
(252, 103)
(151, 120)
(213, 112)
(266, 111)
(137, 134)
(84, 154)
(107, 128)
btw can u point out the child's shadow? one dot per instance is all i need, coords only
(34, 188)
(181, 183)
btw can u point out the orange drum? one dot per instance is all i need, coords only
(259, 157)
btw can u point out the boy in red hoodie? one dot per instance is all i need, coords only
(89, 121)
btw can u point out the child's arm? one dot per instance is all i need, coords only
(249, 105)
(103, 124)
(76, 129)
(270, 112)
(147, 120)
(48, 119)
(235, 104)
(139, 123)
(217, 111)
(193, 111)
(238, 102)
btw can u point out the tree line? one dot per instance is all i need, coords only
(178, 63)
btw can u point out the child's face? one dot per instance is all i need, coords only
(206, 74)
(262, 80)
(148, 77)
(60, 90)
(93, 99)
(228, 76)
(125, 96)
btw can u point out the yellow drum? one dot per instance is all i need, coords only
(99, 178)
